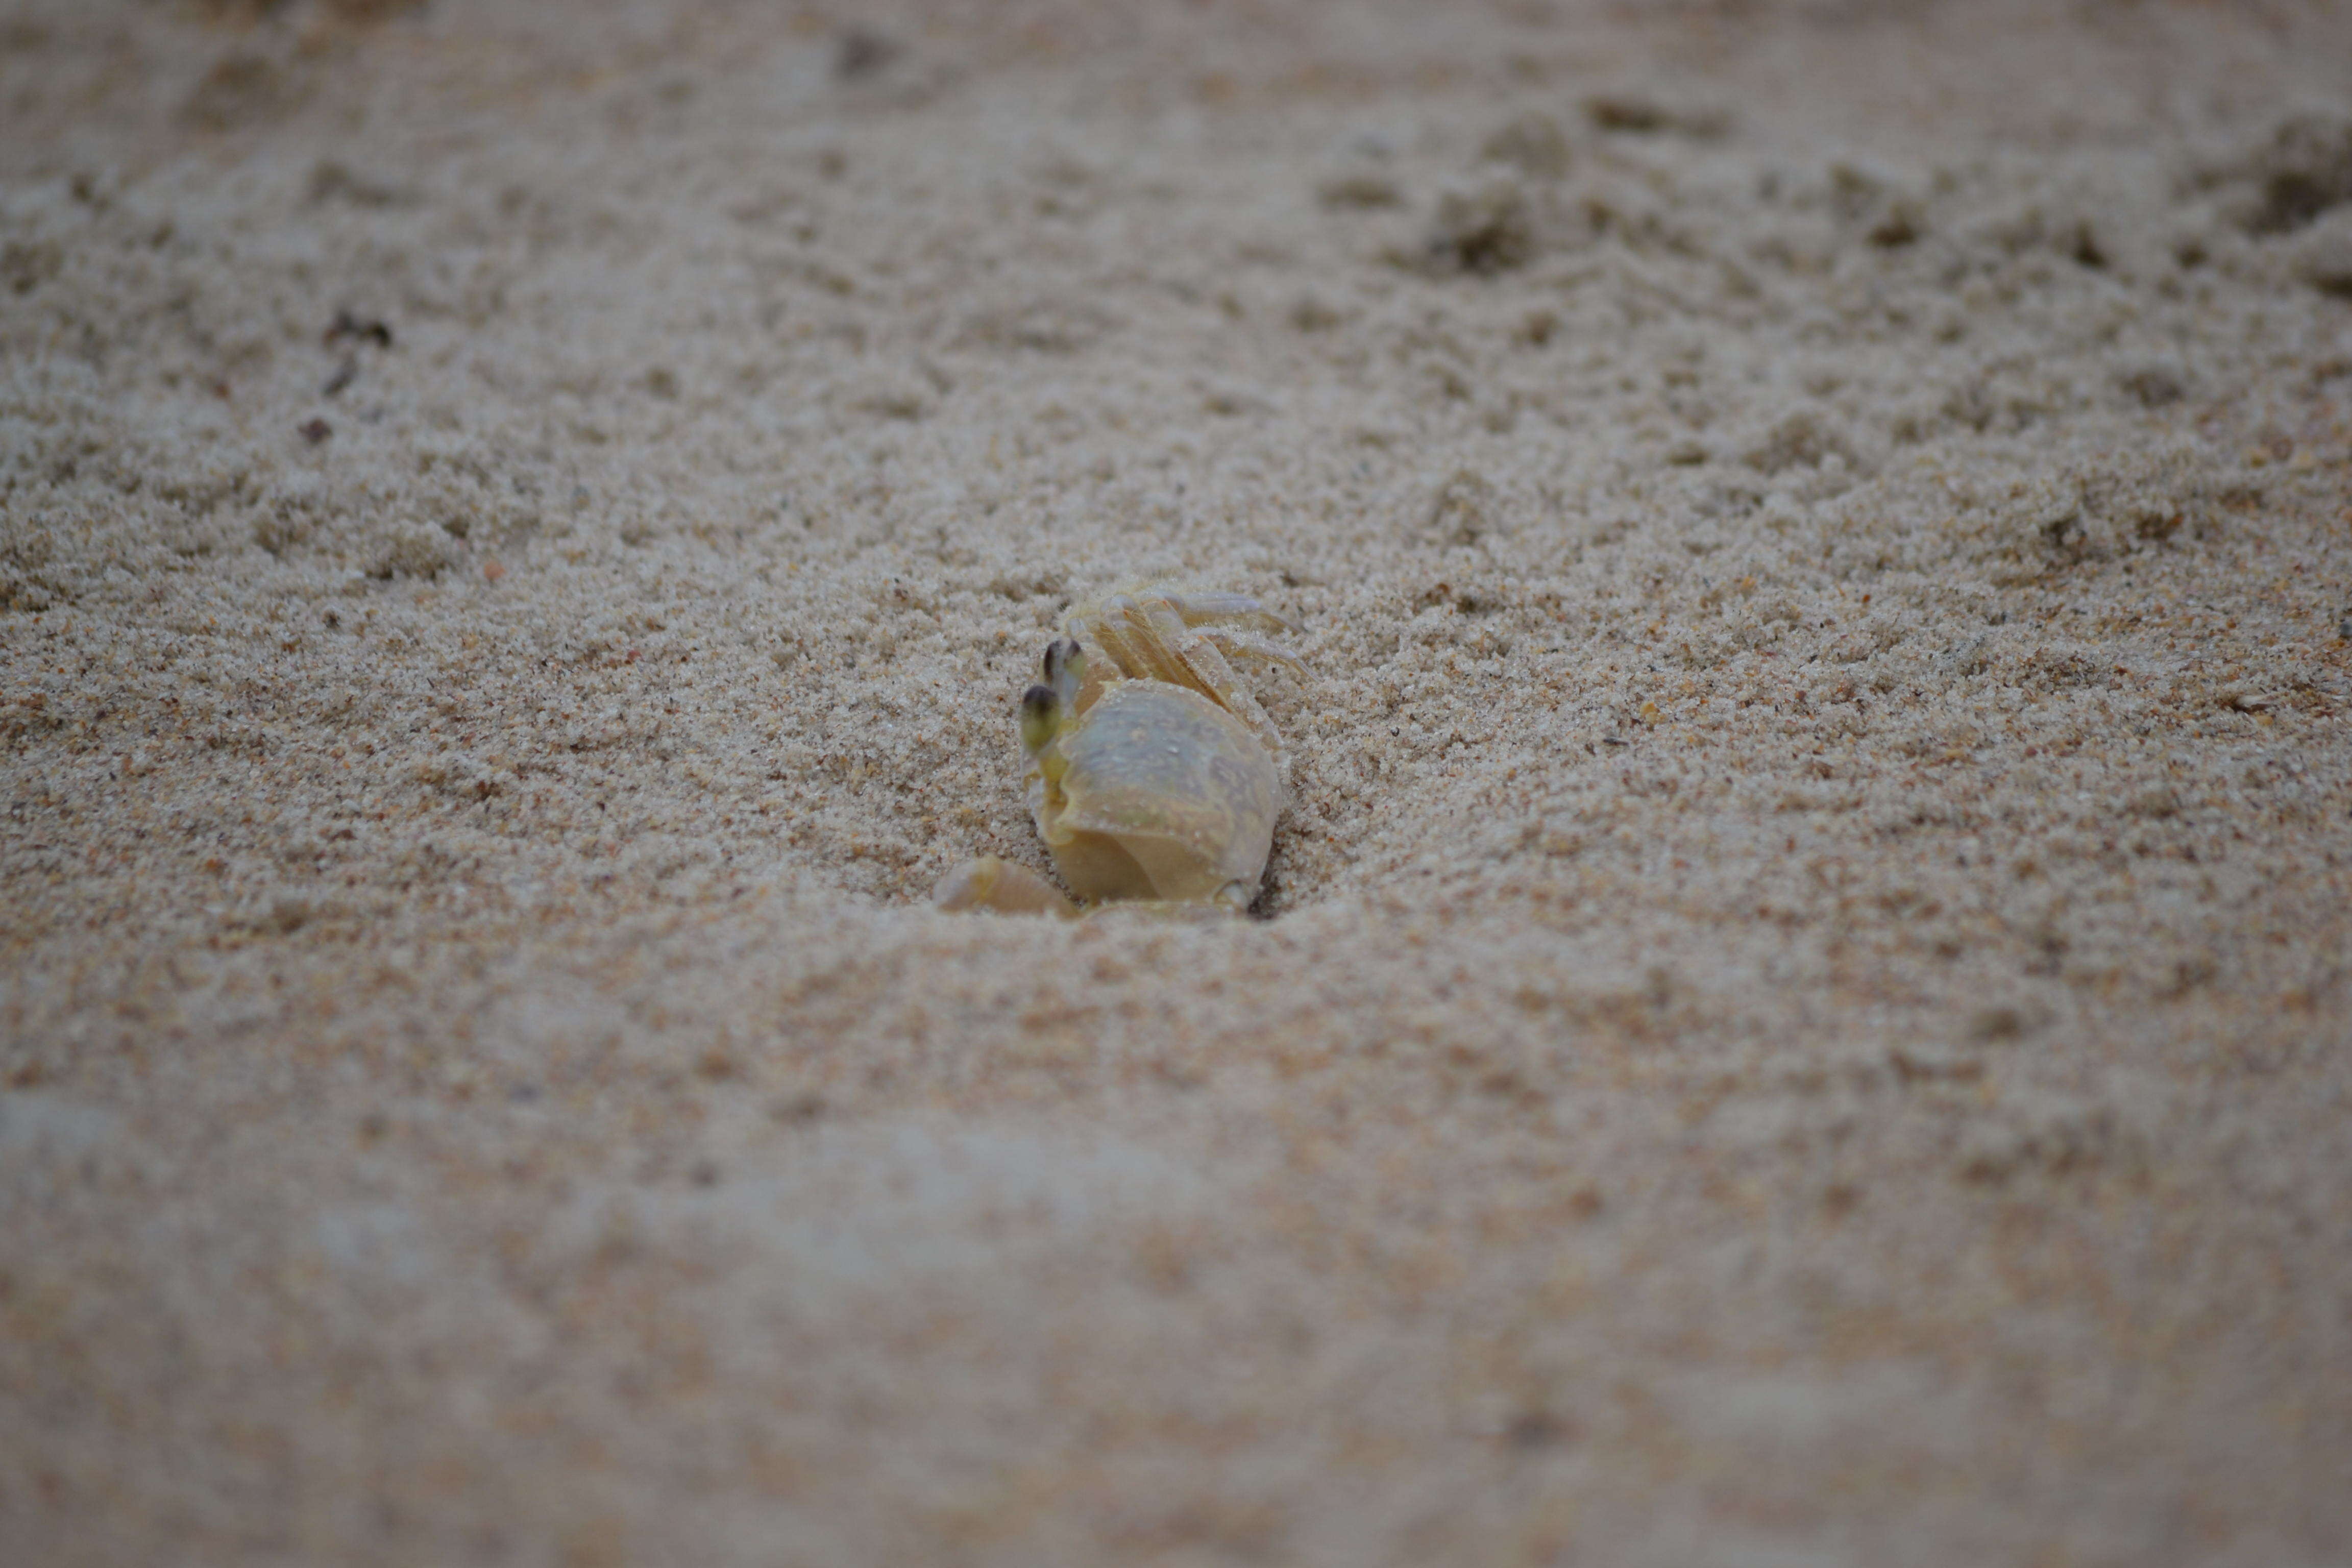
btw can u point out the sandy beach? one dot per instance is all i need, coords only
(1801, 1010)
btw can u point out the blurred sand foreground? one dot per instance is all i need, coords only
(1802, 1010)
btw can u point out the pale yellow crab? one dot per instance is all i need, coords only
(1154, 776)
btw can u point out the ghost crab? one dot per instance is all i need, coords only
(1154, 776)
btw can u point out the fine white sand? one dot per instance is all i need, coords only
(1802, 1012)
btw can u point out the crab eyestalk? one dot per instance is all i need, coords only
(1040, 720)
(1043, 716)
(1066, 671)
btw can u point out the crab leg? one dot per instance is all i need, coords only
(1249, 645)
(1234, 622)
(1005, 886)
(1121, 642)
(1203, 669)
(1202, 608)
